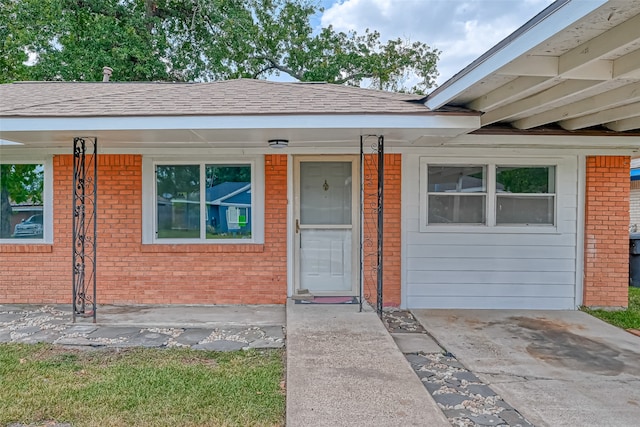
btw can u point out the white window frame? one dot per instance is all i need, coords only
(149, 213)
(491, 195)
(47, 200)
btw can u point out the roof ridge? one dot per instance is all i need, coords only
(374, 93)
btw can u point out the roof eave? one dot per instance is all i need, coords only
(547, 23)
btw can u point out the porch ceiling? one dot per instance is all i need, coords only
(576, 65)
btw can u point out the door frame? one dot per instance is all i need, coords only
(355, 220)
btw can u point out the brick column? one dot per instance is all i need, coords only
(392, 219)
(606, 253)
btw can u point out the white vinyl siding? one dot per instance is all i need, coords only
(484, 266)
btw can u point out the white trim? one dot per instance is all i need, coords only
(316, 121)
(149, 216)
(580, 229)
(233, 193)
(354, 227)
(404, 197)
(469, 145)
(290, 228)
(490, 164)
(47, 200)
(551, 25)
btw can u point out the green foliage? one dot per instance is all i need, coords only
(149, 387)
(626, 319)
(18, 183)
(524, 179)
(197, 40)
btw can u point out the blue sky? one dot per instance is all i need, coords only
(461, 29)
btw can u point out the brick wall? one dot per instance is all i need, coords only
(129, 272)
(606, 261)
(391, 229)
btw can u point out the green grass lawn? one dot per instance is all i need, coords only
(142, 387)
(627, 319)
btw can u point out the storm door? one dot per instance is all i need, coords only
(326, 224)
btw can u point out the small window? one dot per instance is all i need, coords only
(203, 202)
(22, 213)
(456, 194)
(525, 195)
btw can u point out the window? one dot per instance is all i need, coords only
(525, 195)
(457, 194)
(489, 194)
(201, 202)
(25, 215)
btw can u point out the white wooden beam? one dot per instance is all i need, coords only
(605, 116)
(627, 66)
(515, 89)
(551, 95)
(548, 66)
(610, 99)
(614, 39)
(531, 65)
(624, 124)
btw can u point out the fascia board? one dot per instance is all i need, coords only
(356, 121)
(549, 26)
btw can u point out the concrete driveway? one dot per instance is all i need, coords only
(558, 368)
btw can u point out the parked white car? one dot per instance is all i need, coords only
(31, 227)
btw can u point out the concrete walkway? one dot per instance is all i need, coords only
(344, 369)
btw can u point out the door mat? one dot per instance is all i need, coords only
(329, 300)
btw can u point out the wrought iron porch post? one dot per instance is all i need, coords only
(380, 221)
(84, 215)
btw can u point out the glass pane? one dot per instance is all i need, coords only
(228, 200)
(525, 210)
(21, 210)
(325, 193)
(456, 179)
(455, 209)
(519, 179)
(178, 201)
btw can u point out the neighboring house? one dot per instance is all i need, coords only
(507, 187)
(229, 208)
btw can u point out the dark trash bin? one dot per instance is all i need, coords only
(634, 259)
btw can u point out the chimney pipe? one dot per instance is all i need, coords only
(106, 73)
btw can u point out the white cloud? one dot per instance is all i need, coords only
(461, 29)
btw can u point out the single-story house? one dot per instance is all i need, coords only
(506, 187)
(229, 208)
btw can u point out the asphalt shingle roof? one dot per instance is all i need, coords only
(230, 97)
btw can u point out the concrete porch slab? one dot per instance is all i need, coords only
(557, 368)
(189, 316)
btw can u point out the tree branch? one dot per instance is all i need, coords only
(275, 65)
(353, 76)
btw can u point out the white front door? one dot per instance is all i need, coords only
(326, 224)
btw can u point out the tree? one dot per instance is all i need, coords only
(200, 40)
(18, 183)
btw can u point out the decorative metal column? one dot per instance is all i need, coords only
(371, 220)
(380, 221)
(85, 190)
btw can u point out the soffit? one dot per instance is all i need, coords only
(586, 75)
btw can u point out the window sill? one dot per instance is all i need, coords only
(201, 248)
(483, 229)
(25, 248)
